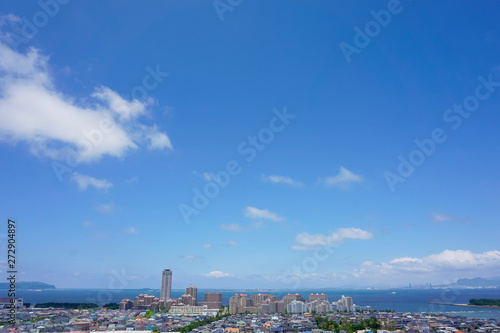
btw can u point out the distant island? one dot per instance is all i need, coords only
(476, 303)
(485, 302)
(28, 285)
(478, 282)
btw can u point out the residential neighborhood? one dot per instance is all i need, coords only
(104, 320)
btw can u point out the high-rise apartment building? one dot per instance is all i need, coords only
(187, 299)
(213, 300)
(166, 285)
(193, 291)
(321, 297)
(287, 299)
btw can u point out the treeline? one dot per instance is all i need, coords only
(485, 301)
(203, 322)
(331, 325)
(67, 305)
(111, 306)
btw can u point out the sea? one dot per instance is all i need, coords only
(401, 300)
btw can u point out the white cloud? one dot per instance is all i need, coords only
(99, 235)
(301, 248)
(105, 208)
(256, 213)
(448, 262)
(461, 259)
(131, 230)
(232, 227)
(87, 224)
(309, 242)
(191, 257)
(343, 179)
(209, 176)
(156, 140)
(207, 246)
(438, 217)
(83, 181)
(281, 180)
(56, 125)
(232, 243)
(406, 260)
(8, 20)
(218, 274)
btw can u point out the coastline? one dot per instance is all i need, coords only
(468, 305)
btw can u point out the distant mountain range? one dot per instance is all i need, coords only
(479, 282)
(27, 285)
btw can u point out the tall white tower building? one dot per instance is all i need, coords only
(166, 284)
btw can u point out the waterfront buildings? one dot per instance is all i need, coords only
(294, 297)
(296, 307)
(313, 297)
(146, 302)
(213, 300)
(6, 302)
(193, 291)
(126, 304)
(187, 299)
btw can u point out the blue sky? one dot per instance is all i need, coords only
(339, 144)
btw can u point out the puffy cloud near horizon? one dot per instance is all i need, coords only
(218, 274)
(55, 125)
(255, 213)
(311, 241)
(281, 180)
(343, 179)
(448, 262)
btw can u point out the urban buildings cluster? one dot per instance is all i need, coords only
(291, 303)
(186, 304)
(239, 303)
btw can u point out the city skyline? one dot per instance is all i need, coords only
(272, 145)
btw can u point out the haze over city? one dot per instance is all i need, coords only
(274, 144)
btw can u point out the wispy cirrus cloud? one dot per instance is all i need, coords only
(105, 208)
(281, 180)
(232, 227)
(131, 230)
(256, 213)
(343, 179)
(438, 218)
(87, 224)
(84, 181)
(308, 242)
(99, 235)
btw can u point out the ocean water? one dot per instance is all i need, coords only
(402, 300)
